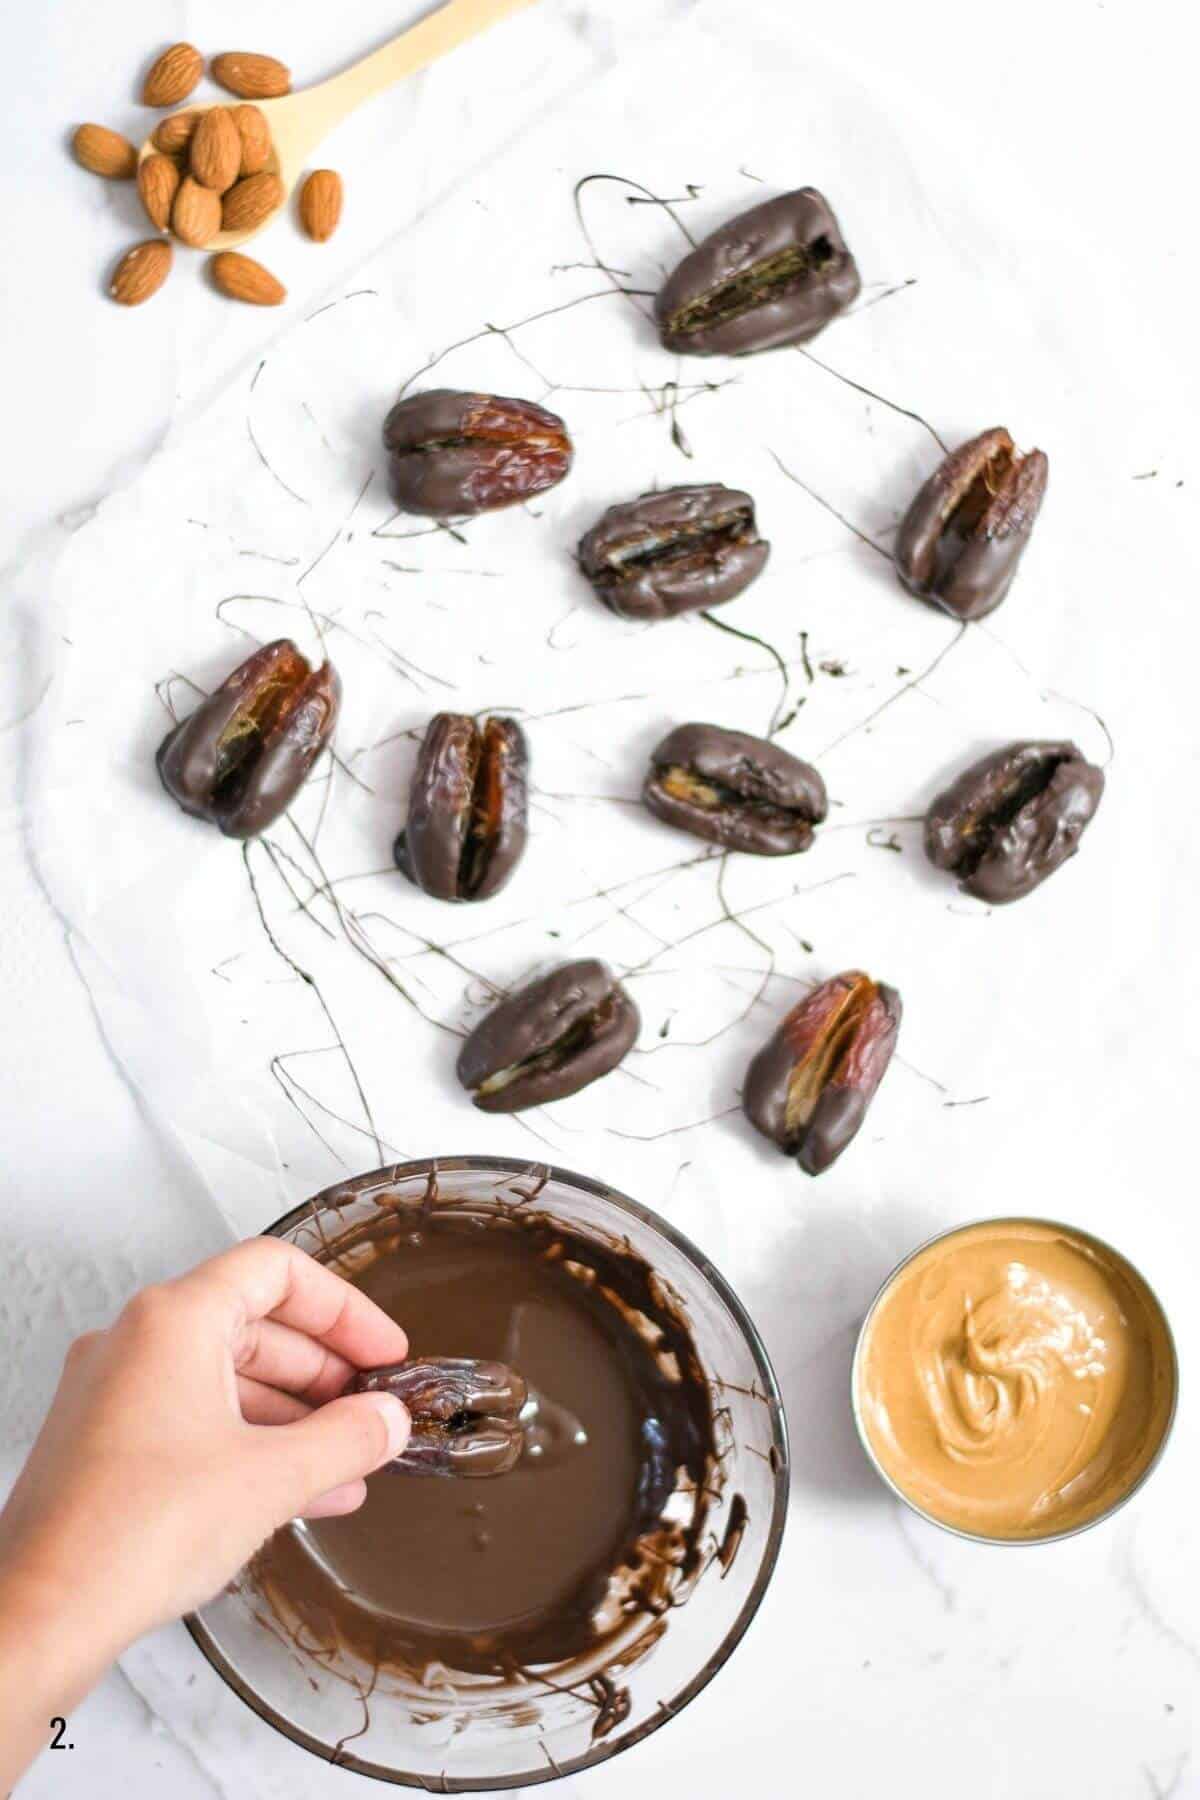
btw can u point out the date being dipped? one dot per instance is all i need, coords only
(604, 1520)
(466, 1414)
(809, 1087)
(242, 757)
(549, 1039)
(467, 824)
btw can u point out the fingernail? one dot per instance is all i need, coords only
(395, 1416)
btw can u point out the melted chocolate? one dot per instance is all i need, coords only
(542, 1564)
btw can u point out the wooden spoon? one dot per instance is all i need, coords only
(298, 122)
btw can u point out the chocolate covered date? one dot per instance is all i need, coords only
(451, 455)
(242, 757)
(809, 1087)
(476, 1448)
(549, 1039)
(672, 552)
(961, 539)
(1012, 818)
(774, 275)
(465, 1414)
(467, 808)
(734, 789)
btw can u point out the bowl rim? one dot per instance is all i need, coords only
(421, 1168)
(885, 1287)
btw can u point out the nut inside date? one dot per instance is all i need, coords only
(774, 275)
(809, 1087)
(730, 788)
(589, 1029)
(772, 278)
(674, 550)
(465, 1414)
(549, 1040)
(696, 542)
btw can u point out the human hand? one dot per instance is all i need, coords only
(202, 1420)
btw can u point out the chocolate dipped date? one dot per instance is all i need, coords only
(961, 539)
(774, 275)
(465, 1414)
(734, 789)
(809, 1087)
(451, 454)
(674, 551)
(1013, 818)
(242, 757)
(549, 1039)
(467, 810)
(476, 1448)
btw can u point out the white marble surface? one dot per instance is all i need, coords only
(888, 1653)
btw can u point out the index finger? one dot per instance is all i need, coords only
(266, 1278)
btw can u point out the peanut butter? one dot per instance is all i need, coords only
(1015, 1379)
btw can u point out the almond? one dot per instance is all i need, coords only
(255, 134)
(249, 202)
(216, 150)
(251, 76)
(172, 136)
(157, 179)
(104, 152)
(141, 272)
(321, 204)
(196, 214)
(173, 76)
(241, 278)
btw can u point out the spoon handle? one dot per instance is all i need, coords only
(327, 104)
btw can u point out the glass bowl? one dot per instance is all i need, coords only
(482, 1735)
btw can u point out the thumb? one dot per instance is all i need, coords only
(337, 1443)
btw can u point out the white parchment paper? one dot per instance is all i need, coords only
(293, 1012)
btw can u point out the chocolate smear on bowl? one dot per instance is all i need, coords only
(576, 1554)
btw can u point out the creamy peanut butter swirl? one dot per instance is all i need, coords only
(1015, 1379)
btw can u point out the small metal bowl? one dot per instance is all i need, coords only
(1071, 1231)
